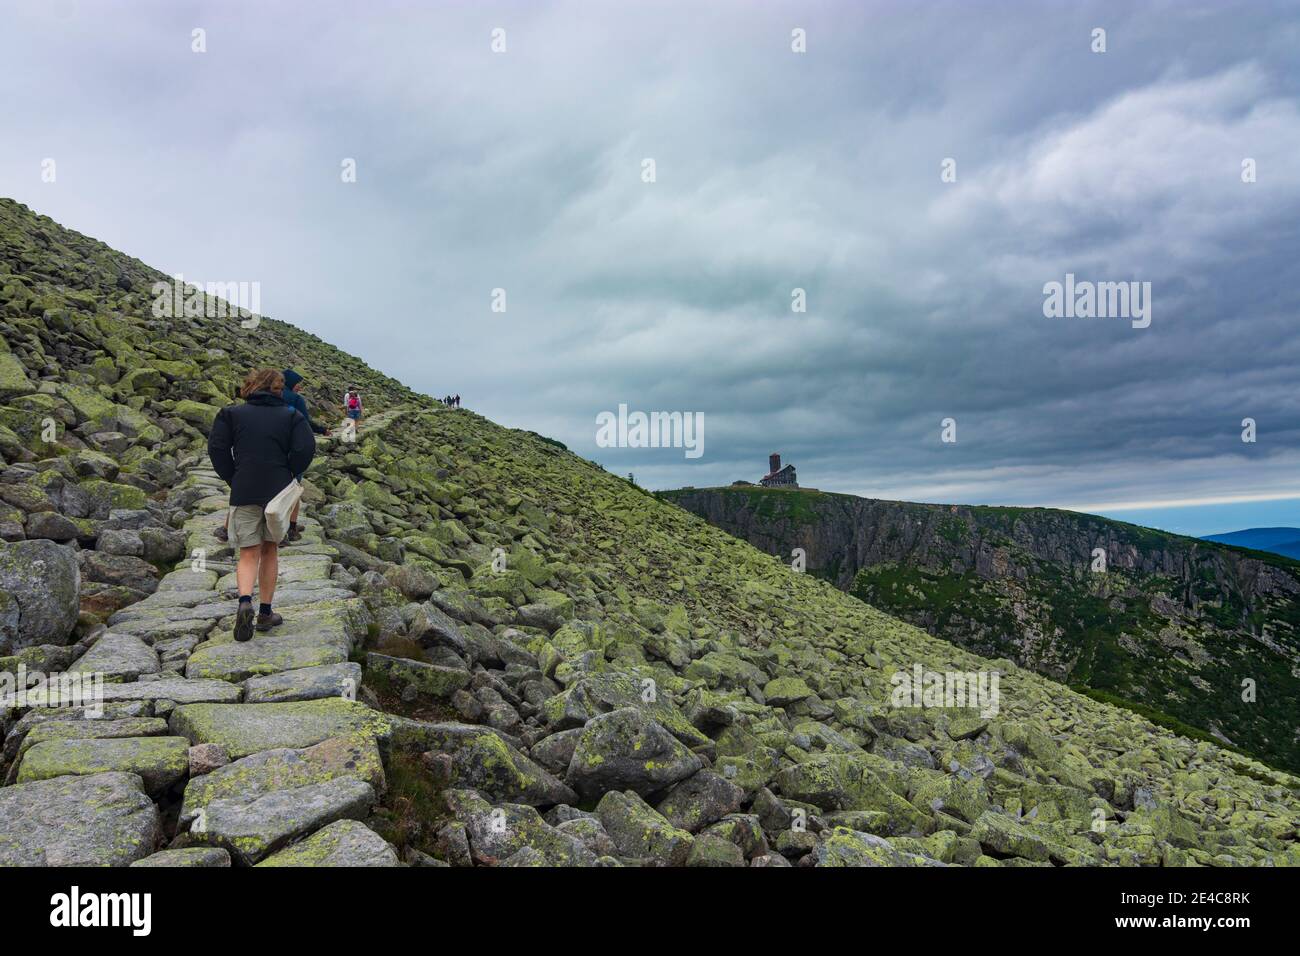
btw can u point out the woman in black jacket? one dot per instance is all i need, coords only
(257, 448)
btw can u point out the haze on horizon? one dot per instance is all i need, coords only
(774, 171)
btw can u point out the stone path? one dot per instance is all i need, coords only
(259, 750)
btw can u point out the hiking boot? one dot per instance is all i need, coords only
(294, 534)
(267, 621)
(221, 534)
(244, 622)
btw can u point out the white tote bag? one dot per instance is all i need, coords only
(279, 508)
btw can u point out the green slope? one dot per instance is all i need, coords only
(1173, 625)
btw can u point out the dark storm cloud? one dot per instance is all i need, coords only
(775, 171)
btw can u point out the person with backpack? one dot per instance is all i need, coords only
(292, 398)
(257, 448)
(352, 405)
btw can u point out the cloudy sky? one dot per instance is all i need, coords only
(775, 170)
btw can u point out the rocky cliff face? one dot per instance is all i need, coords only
(1172, 624)
(494, 652)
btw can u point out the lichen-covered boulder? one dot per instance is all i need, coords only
(245, 729)
(252, 826)
(13, 377)
(342, 843)
(483, 760)
(700, 800)
(202, 857)
(44, 583)
(844, 847)
(158, 761)
(285, 769)
(431, 680)
(104, 819)
(626, 750)
(641, 832)
(494, 834)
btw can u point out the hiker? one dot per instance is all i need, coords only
(456, 400)
(257, 448)
(292, 384)
(352, 405)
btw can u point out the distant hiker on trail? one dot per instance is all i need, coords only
(293, 382)
(352, 405)
(257, 448)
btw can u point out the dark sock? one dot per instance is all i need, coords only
(245, 599)
(264, 609)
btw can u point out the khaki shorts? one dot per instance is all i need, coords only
(246, 525)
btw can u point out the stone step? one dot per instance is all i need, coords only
(244, 729)
(285, 769)
(268, 653)
(178, 689)
(121, 656)
(307, 683)
(252, 826)
(158, 761)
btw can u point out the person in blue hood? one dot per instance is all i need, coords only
(293, 398)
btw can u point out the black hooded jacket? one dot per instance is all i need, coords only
(294, 400)
(258, 447)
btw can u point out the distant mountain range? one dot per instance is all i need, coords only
(1283, 541)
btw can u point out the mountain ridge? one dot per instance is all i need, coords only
(1283, 541)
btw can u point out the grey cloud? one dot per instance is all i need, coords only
(775, 171)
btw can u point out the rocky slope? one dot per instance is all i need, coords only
(1173, 625)
(495, 653)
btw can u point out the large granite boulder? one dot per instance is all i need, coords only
(43, 584)
(103, 819)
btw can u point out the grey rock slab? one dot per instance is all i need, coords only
(191, 856)
(188, 579)
(104, 819)
(122, 656)
(158, 761)
(245, 729)
(342, 843)
(153, 629)
(253, 828)
(266, 653)
(285, 769)
(43, 582)
(304, 683)
(177, 689)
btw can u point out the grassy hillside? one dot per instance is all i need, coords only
(1172, 625)
(584, 624)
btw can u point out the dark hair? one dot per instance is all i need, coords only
(263, 380)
